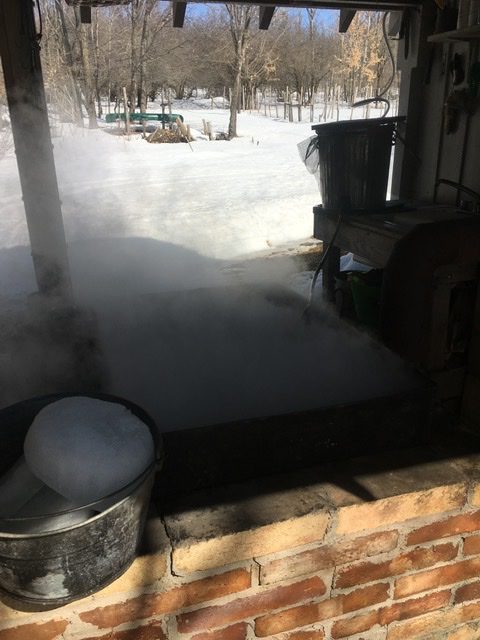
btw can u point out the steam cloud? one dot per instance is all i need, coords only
(182, 334)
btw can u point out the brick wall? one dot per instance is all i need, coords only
(396, 568)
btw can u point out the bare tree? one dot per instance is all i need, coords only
(240, 19)
(85, 44)
(70, 61)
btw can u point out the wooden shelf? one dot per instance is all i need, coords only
(459, 35)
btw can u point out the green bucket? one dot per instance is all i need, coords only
(366, 298)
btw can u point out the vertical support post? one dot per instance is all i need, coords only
(20, 54)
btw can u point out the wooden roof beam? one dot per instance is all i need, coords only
(265, 17)
(346, 17)
(357, 5)
(179, 9)
(85, 14)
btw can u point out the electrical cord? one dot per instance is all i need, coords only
(306, 312)
(459, 187)
(379, 97)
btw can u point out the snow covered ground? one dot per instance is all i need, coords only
(144, 222)
(221, 200)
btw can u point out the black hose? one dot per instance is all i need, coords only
(320, 266)
(459, 187)
(379, 97)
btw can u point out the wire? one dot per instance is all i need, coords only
(362, 103)
(390, 53)
(320, 266)
(379, 97)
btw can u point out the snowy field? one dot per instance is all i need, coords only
(221, 200)
(186, 330)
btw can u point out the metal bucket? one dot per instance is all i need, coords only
(46, 570)
(354, 161)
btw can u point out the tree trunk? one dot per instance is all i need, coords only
(96, 72)
(88, 84)
(77, 95)
(234, 102)
(142, 92)
(240, 18)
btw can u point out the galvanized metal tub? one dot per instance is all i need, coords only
(46, 570)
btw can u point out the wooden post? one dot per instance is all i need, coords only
(163, 112)
(20, 54)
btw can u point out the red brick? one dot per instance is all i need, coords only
(316, 612)
(357, 624)
(43, 631)
(243, 608)
(387, 615)
(235, 632)
(151, 631)
(400, 508)
(468, 592)
(465, 632)
(471, 546)
(306, 635)
(426, 580)
(327, 556)
(152, 604)
(416, 559)
(463, 523)
(432, 624)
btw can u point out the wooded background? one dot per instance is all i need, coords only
(220, 51)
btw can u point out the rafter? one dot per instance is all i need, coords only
(179, 9)
(265, 17)
(345, 20)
